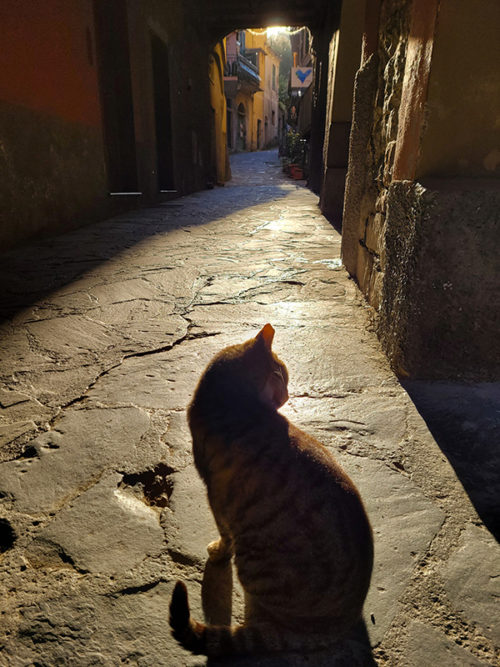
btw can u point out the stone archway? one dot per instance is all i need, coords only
(321, 17)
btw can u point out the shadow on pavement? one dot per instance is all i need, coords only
(353, 651)
(30, 272)
(464, 419)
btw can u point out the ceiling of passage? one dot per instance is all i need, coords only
(223, 16)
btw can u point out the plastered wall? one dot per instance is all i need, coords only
(54, 152)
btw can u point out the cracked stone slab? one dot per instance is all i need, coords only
(55, 386)
(61, 463)
(19, 414)
(427, 646)
(174, 283)
(145, 324)
(404, 523)
(13, 430)
(193, 525)
(122, 290)
(322, 289)
(89, 629)
(15, 352)
(79, 335)
(292, 315)
(372, 421)
(10, 398)
(472, 579)
(152, 382)
(106, 530)
(163, 380)
(336, 369)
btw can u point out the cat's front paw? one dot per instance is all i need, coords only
(219, 550)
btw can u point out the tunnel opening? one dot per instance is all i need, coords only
(257, 73)
(292, 88)
(268, 97)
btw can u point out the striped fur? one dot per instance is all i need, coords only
(285, 509)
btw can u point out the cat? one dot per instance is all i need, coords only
(285, 509)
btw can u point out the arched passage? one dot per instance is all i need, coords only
(423, 140)
(322, 18)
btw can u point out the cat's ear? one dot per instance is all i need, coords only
(266, 334)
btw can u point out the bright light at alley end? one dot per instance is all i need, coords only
(276, 30)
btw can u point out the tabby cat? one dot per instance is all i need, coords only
(293, 519)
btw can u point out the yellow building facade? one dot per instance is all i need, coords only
(218, 139)
(252, 91)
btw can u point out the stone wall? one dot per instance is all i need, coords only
(377, 153)
(321, 38)
(439, 306)
(52, 174)
(418, 237)
(344, 60)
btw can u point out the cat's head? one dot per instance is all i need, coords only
(249, 368)
(274, 390)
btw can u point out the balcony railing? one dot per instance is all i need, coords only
(246, 72)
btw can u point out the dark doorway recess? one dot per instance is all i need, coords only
(229, 123)
(161, 84)
(116, 93)
(241, 141)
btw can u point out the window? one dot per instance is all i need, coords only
(274, 78)
(273, 117)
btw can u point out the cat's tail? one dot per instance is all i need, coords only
(223, 640)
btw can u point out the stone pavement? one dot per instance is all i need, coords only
(105, 332)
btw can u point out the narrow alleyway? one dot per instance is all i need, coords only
(105, 332)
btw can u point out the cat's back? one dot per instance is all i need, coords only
(285, 463)
(295, 513)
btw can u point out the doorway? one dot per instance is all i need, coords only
(241, 142)
(112, 45)
(229, 123)
(163, 120)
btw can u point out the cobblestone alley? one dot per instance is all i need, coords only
(105, 332)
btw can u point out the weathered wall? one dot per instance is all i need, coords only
(321, 38)
(220, 161)
(271, 98)
(344, 61)
(376, 105)
(51, 151)
(250, 123)
(54, 172)
(425, 105)
(188, 65)
(462, 132)
(439, 312)
(263, 103)
(47, 58)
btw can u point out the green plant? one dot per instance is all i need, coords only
(295, 147)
